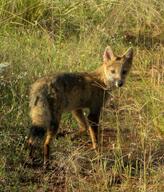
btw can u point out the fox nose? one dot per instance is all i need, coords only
(119, 83)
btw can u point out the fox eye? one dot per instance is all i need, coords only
(112, 71)
(124, 72)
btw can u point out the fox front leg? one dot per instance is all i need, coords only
(81, 119)
(93, 128)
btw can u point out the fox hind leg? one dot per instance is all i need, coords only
(31, 148)
(51, 132)
(47, 141)
(36, 133)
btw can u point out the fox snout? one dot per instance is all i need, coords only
(119, 83)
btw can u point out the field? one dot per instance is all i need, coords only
(41, 37)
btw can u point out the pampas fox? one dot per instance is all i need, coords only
(52, 95)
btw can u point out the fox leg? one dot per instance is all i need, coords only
(47, 141)
(84, 124)
(49, 136)
(81, 119)
(93, 128)
(36, 132)
(31, 148)
(93, 137)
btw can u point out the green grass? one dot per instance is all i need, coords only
(38, 38)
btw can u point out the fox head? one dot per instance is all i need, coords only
(115, 67)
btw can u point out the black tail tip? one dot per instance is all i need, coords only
(37, 131)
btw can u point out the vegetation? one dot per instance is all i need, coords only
(40, 37)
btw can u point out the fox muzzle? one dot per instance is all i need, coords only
(119, 83)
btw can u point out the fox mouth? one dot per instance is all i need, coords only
(119, 83)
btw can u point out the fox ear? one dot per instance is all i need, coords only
(108, 54)
(129, 53)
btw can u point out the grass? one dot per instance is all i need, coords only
(38, 38)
